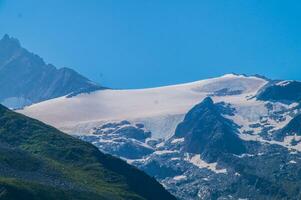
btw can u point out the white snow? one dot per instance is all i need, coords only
(291, 138)
(286, 143)
(245, 155)
(178, 140)
(237, 174)
(160, 109)
(178, 178)
(197, 161)
(283, 83)
(293, 105)
(247, 111)
(130, 161)
(292, 162)
(164, 152)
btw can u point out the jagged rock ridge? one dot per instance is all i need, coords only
(25, 78)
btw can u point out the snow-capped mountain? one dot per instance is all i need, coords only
(230, 137)
(26, 79)
(159, 109)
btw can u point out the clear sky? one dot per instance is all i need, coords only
(146, 43)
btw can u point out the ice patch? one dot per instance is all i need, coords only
(164, 152)
(287, 143)
(178, 178)
(197, 161)
(283, 83)
(159, 109)
(178, 140)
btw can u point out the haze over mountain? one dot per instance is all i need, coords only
(25, 78)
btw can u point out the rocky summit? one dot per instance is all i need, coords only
(26, 79)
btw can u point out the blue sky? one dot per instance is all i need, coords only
(146, 43)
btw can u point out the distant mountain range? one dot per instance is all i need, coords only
(38, 162)
(26, 79)
(225, 138)
(230, 137)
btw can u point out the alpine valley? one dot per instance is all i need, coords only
(229, 137)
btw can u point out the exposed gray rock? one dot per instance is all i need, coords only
(208, 133)
(284, 91)
(122, 139)
(261, 171)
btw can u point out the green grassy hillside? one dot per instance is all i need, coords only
(39, 162)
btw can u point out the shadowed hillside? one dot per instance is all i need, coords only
(39, 162)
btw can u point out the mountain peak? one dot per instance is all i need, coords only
(207, 101)
(7, 40)
(37, 81)
(236, 75)
(207, 105)
(207, 132)
(5, 37)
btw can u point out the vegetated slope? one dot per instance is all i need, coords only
(39, 162)
(25, 78)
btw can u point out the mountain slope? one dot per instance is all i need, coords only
(292, 129)
(284, 91)
(39, 162)
(159, 109)
(25, 78)
(207, 159)
(207, 132)
(200, 158)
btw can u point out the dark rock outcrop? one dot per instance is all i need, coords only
(208, 133)
(287, 92)
(291, 129)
